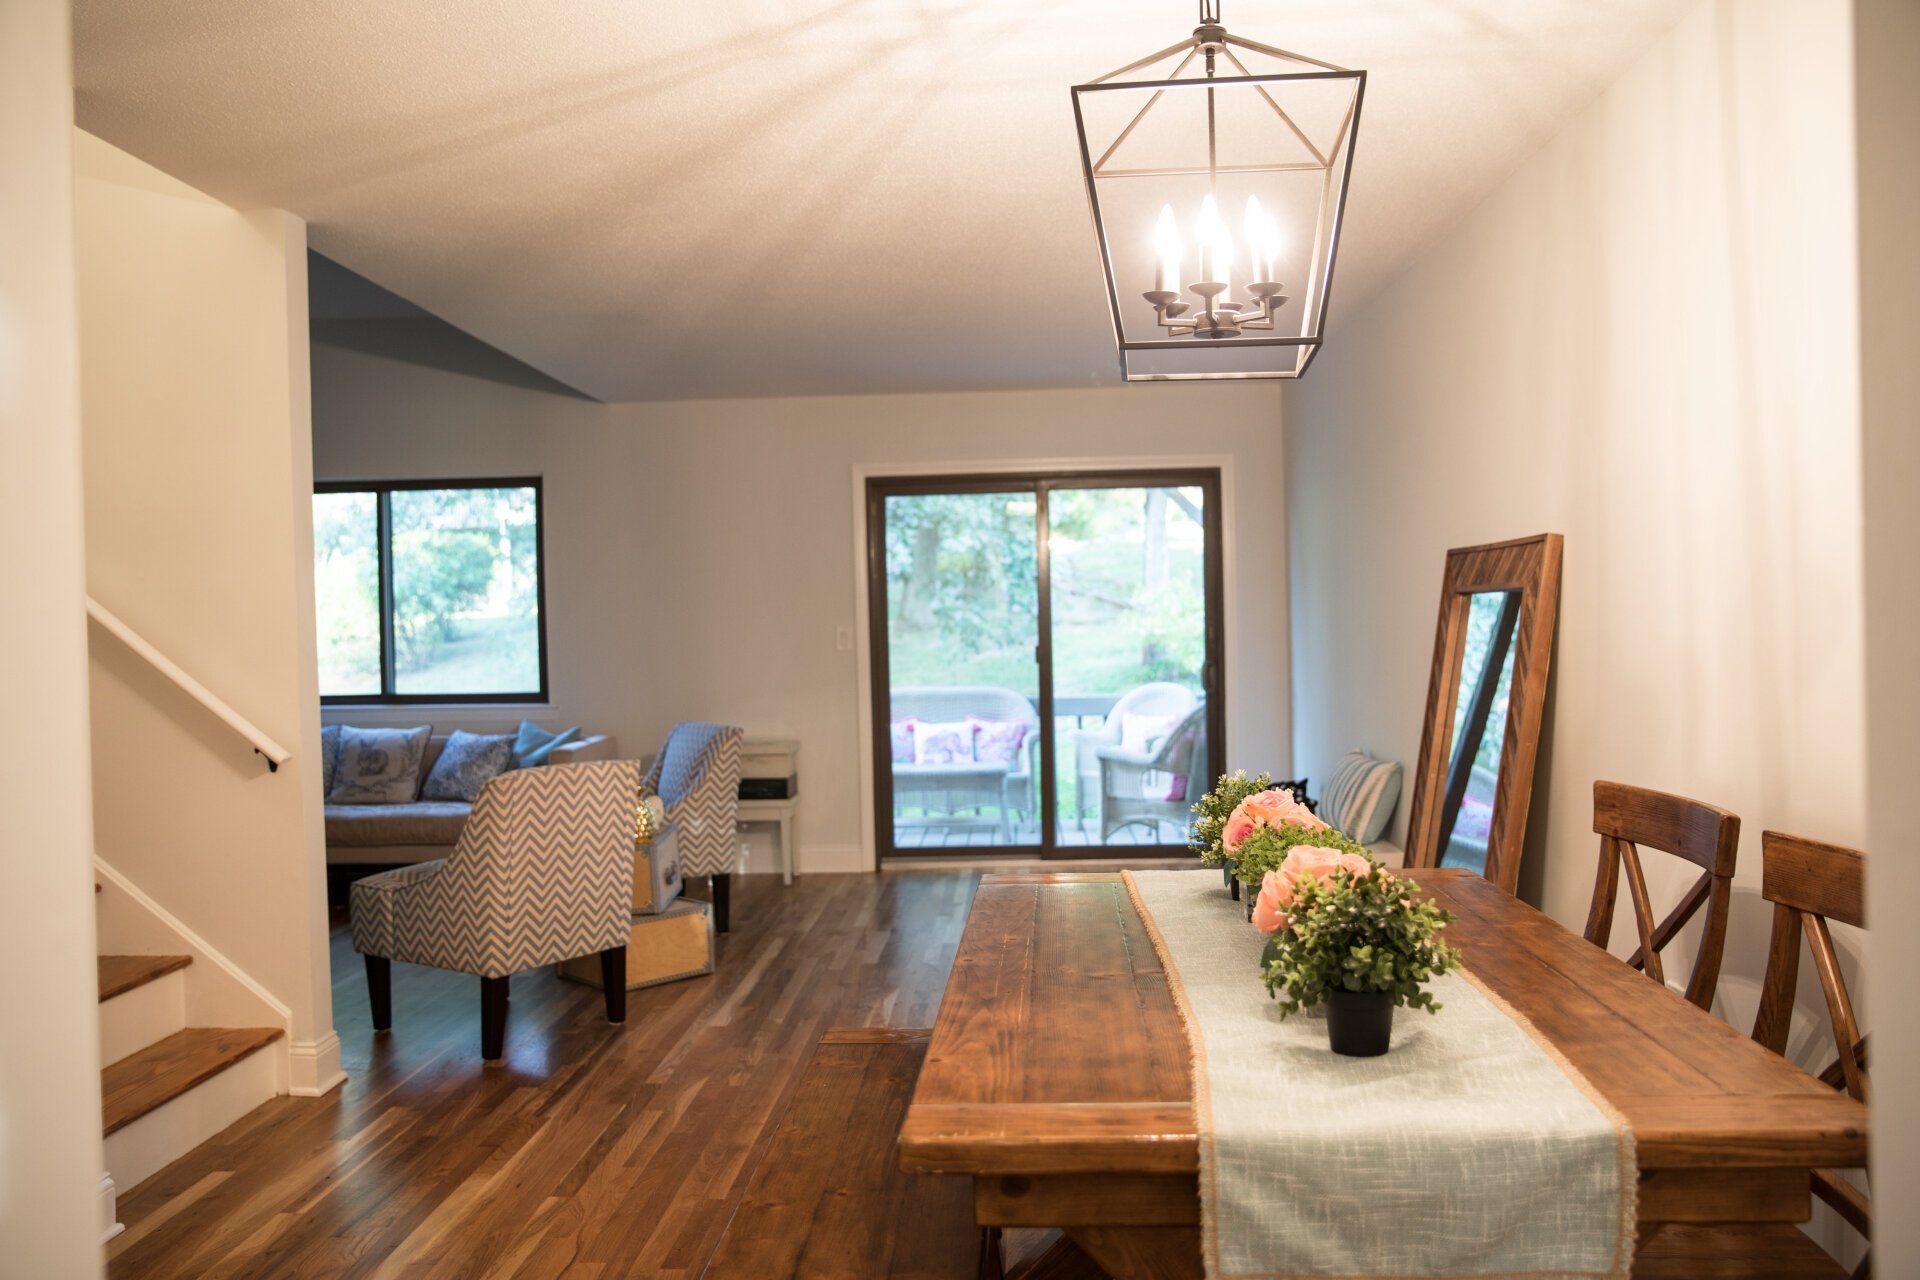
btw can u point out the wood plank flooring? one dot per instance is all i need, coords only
(591, 1152)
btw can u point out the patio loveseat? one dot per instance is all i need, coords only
(967, 791)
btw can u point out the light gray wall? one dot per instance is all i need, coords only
(701, 555)
(50, 1151)
(193, 338)
(1886, 50)
(1645, 340)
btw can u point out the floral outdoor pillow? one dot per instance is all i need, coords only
(379, 766)
(997, 741)
(943, 743)
(902, 744)
(466, 764)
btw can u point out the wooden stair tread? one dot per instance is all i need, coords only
(161, 1072)
(1773, 1251)
(121, 974)
(829, 1198)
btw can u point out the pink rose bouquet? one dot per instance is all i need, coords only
(1278, 888)
(1271, 808)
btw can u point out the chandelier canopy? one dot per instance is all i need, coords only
(1217, 191)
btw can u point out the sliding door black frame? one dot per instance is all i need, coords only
(1040, 485)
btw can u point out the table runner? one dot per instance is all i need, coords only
(1471, 1149)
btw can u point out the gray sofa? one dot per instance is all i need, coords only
(387, 834)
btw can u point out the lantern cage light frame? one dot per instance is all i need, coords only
(1212, 43)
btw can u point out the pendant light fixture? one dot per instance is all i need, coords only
(1217, 191)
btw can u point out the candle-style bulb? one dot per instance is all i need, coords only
(1166, 244)
(1212, 234)
(1270, 240)
(1256, 239)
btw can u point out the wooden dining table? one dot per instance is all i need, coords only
(1058, 1073)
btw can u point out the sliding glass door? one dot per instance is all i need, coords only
(1046, 656)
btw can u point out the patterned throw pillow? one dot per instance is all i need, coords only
(997, 741)
(465, 765)
(329, 757)
(902, 744)
(1361, 795)
(379, 766)
(943, 743)
(534, 745)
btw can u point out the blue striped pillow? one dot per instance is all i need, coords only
(1361, 796)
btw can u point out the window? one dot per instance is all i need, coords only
(430, 591)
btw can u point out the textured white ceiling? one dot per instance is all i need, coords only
(769, 197)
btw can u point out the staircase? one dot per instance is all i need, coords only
(167, 1087)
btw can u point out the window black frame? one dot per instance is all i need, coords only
(1041, 483)
(383, 491)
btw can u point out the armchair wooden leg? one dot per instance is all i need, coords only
(722, 899)
(493, 1017)
(380, 991)
(613, 976)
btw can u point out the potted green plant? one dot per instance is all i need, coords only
(1346, 932)
(1207, 834)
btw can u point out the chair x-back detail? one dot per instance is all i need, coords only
(1627, 818)
(1810, 883)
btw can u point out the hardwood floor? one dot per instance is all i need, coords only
(592, 1151)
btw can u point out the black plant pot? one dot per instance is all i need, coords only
(1233, 886)
(1359, 1023)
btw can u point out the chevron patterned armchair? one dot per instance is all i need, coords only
(697, 776)
(543, 872)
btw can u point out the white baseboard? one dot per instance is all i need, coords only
(313, 1067)
(828, 858)
(110, 1224)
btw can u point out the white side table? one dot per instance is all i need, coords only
(781, 814)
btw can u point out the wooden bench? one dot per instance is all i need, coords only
(829, 1197)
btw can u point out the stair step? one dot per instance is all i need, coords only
(161, 1072)
(121, 974)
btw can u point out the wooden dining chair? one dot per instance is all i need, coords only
(1626, 818)
(1809, 883)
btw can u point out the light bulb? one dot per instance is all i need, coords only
(1221, 269)
(1256, 240)
(1166, 243)
(1271, 241)
(1216, 246)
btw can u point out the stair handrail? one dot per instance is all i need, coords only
(275, 754)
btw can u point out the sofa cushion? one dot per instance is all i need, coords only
(378, 766)
(467, 762)
(422, 822)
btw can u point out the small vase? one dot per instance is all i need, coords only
(1233, 886)
(1359, 1023)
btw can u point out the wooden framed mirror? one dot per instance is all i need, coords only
(1473, 782)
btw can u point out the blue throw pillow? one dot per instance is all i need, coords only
(466, 764)
(533, 745)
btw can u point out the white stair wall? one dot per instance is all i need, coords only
(218, 993)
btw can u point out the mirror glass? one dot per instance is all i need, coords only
(1479, 729)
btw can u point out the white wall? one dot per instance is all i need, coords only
(50, 1157)
(1886, 50)
(1646, 340)
(193, 331)
(700, 555)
